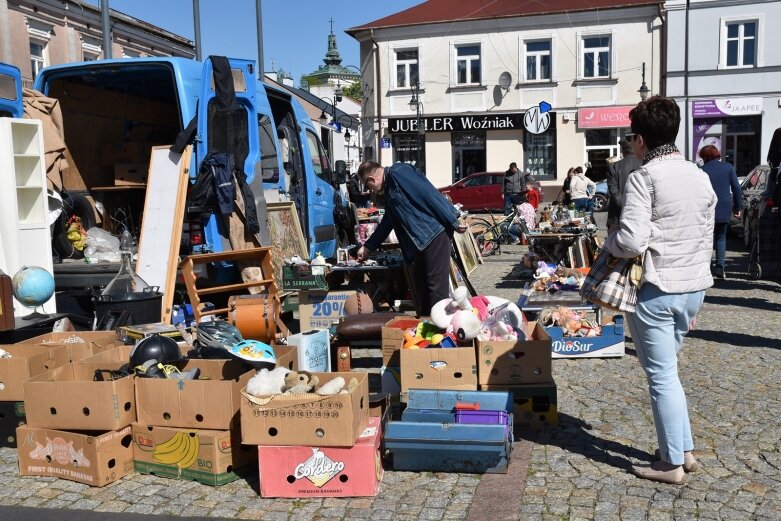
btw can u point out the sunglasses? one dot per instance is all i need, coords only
(630, 136)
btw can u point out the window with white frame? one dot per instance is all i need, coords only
(90, 49)
(406, 68)
(740, 44)
(595, 56)
(467, 64)
(538, 60)
(37, 58)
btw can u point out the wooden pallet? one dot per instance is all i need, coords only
(258, 256)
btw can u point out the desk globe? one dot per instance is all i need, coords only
(32, 286)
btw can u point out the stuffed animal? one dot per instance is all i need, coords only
(299, 382)
(267, 382)
(564, 272)
(544, 270)
(336, 386)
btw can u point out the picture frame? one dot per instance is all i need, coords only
(287, 236)
(466, 250)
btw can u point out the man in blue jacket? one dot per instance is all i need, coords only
(730, 201)
(424, 222)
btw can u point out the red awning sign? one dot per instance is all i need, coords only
(604, 117)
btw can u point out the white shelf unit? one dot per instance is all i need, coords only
(24, 233)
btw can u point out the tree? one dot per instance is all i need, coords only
(353, 91)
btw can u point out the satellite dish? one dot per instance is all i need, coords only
(505, 80)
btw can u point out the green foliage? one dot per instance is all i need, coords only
(353, 91)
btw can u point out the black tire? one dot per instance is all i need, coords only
(599, 203)
(486, 238)
(73, 204)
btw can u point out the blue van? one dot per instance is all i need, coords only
(114, 111)
(10, 91)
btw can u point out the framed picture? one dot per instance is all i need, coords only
(465, 247)
(287, 237)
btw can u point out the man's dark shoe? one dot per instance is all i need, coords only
(718, 273)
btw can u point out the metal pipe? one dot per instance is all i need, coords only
(377, 94)
(686, 85)
(197, 24)
(662, 52)
(105, 21)
(259, 16)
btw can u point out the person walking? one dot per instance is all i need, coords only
(725, 183)
(617, 174)
(582, 189)
(667, 217)
(514, 183)
(424, 222)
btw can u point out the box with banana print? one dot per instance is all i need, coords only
(211, 457)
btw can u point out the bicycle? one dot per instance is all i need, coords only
(490, 235)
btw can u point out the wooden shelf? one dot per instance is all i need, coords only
(234, 287)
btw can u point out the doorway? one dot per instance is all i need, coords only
(468, 154)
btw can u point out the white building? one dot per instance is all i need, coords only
(482, 67)
(724, 69)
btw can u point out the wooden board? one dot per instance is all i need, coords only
(287, 237)
(161, 228)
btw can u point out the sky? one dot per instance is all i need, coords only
(295, 32)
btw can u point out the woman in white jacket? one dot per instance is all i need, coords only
(582, 190)
(667, 218)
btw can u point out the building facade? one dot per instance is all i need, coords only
(724, 70)
(36, 34)
(462, 87)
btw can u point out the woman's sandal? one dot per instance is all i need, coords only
(662, 472)
(690, 464)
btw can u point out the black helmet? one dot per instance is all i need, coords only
(163, 349)
(218, 334)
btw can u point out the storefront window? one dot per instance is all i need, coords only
(405, 149)
(468, 153)
(540, 152)
(737, 138)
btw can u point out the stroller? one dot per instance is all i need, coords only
(765, 257)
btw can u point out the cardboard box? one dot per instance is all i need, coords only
(118, 354)
(67, 397)
(95, 460)
(129, 152)
(287, 356)
(535, 406)
(27, 360)
(11, 416)
(609, 344)
(516, 362)
(452, 368)
(211, 457)
(314, 350)
(130, 174)
(320, 310)
(79, 344)
(393, 338)
(300, 277)
(307, 419)
(209, 403)
(303, 472)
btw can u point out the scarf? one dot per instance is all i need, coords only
(661, 150)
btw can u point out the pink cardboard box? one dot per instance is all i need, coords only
(299, 472)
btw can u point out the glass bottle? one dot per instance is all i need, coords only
(127, 285)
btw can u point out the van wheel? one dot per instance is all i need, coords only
(73, 204)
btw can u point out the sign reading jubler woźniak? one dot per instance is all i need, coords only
(457, 123)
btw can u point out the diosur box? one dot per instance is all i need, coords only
(211, 457)
(307, 418)
(69, 397)
(92, 459)
(298, 472)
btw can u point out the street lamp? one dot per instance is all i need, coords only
(643, 90)
(416, 105)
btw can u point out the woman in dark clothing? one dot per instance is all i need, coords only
(565, 189)
(730, 201)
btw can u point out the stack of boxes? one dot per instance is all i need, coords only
(315, 446)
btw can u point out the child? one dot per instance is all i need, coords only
(532, 195)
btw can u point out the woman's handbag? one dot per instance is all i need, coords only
(612, 282)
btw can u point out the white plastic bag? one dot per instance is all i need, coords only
(101, 246)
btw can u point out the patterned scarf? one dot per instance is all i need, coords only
(661, 150)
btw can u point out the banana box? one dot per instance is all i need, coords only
(95, 459)
(535, 406)
(209, 457)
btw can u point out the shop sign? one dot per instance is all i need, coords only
(457, 123)
(537, 119)
(717, 108)
(604, 117)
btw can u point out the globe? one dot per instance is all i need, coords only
(32, 286)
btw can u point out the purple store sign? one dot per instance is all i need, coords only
(717, 108)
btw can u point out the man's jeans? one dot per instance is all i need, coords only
(584, 205)
(658, 327)
(720, 243)
(509, 200)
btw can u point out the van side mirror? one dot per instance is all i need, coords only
(340, 172)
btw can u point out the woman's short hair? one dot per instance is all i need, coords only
(709, 152)
(578, 169)
(657, 119)
(366, 167)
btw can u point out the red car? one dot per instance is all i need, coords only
(480, 191)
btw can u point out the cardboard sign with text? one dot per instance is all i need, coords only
(320, 310)
(92, 460)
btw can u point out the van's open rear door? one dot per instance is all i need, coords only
(238, 134)
(10, 91)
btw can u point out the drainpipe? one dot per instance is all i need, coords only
(377, 94)
(197, 24)
(663, 52)
(105, 20)
(686, 84)
(261, 65)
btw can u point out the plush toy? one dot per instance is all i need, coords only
(336, 386)
(299, 382)
(442, 312)
(565, 272)
(267, 382)
(544, 270)
(465, 325)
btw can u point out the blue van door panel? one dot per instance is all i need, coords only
(245, 87)
(10, 90)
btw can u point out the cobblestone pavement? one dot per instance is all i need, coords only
(731, 371)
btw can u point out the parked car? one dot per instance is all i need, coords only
(480, 191)
(601, 197)
(752, 186)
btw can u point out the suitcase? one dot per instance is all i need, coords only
(255, 316)
(6, 303)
